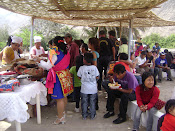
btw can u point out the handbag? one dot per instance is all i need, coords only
(159, 104)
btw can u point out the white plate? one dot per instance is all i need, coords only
(23, 76)
(112, 86)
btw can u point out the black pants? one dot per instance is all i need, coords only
(77, 96)
(102, 65)
(124, 97)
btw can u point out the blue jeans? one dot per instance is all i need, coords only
(139, 79)
(137, 117)
(88, 99)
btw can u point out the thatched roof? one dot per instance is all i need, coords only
(90, 12)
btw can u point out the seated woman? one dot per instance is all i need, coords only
(10, 53)
(147, 95)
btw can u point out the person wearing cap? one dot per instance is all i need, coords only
(162, 65)
(142, 65)
(37, 50)
(10, 52)
(73, 49)
(9, 41)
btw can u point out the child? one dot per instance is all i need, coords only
(169, 119)
(147, 95)
(88, 74)
(77, 81)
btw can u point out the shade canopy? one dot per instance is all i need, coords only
(90, 12)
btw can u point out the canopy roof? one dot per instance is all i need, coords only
(90, 12)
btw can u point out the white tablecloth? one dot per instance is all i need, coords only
(13, 104)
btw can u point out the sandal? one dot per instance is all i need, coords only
(64, 115)
(59, 121)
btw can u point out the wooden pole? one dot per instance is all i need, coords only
(130, 37)
(31, 36)
(120, 31)
(98, 30)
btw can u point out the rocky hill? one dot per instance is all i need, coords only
(166, 12)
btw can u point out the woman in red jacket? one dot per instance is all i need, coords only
(147, 95)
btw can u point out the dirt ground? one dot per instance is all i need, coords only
(74, 120)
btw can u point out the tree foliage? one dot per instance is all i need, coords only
(47, 30)
(164, 42)
(50, 29)
(25, 33)
(4, 34)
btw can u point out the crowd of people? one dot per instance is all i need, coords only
(88, 65)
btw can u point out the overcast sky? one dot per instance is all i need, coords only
(13, 20)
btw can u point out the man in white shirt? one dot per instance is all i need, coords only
(142, 65)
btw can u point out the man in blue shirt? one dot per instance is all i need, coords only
(161, 65)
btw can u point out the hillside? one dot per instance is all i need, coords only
(13, 21)
(166, 12)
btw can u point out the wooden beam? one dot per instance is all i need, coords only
(61, 8)
(116, 10)
(88, 18)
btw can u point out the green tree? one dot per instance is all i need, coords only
(50, 29)
(164, 42)
(154, 38)
(25, 33)
(4, 34)
(170, 41)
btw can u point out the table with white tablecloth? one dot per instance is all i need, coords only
(13, 105)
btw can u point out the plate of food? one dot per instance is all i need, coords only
(114, 85)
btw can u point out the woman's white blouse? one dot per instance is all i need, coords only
(48, 65)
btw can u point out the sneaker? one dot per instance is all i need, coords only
(92, 118)
(84, 118)
(109, 114)
(119, 120)
(77, 110)
(169, 79)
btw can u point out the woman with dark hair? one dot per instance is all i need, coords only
(94, 45)
(83, 48)
(147, 95)
(166, 122)
(59, 81)
(169, 118)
